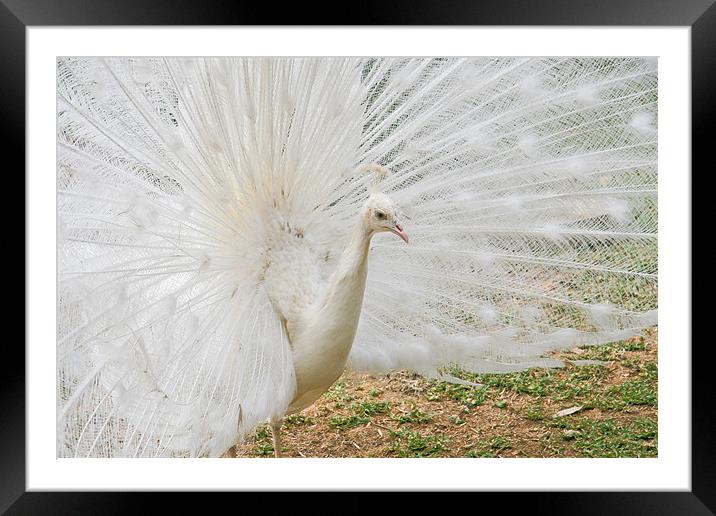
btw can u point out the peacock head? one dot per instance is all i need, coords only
(381, 214)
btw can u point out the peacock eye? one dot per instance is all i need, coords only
(380, 215)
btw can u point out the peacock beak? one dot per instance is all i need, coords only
(398, 230)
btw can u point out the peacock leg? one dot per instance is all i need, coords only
(276, 434)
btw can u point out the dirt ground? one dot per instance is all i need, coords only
(402, 415)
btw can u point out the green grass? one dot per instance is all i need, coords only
(298, 419)
(360, 414)
(415, 415)
(613, 351)
(468, 396)
(476, 454)
(346, 422)
(264, 449)
(535, 382)
(639, 392)
(262, 433)
(534, 413)
(408, 443)
(263, 441)
(369, 408)
(339, 394)
(489, 448)
(610, 437)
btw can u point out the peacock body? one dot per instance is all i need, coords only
(220, 260)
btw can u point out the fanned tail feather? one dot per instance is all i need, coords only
(530, 185)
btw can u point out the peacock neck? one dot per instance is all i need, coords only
(321, 350)
(333, 326)
(348, 281)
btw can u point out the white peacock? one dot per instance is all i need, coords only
(219, 247)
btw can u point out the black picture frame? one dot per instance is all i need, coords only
(17, 15)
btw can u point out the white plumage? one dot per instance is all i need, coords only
(215, 219)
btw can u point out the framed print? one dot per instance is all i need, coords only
(426, 256)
